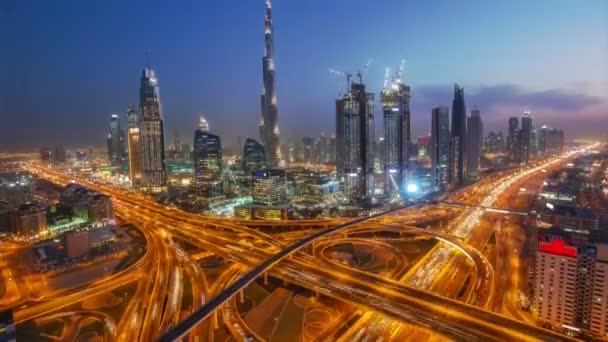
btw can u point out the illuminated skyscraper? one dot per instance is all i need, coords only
(269, 187)
(133, 144)
(354, 137)
(440, 147)
(269, 124)
(458, 138)
(474, 144)
(207, 157)
(116, 147)
(152, 140)
(396, 115)
(525, 138)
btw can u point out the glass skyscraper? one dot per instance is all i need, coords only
(458, 138)
(151, 134)
(207, 155)
(354, 137)
(396, 122)
(440, 147)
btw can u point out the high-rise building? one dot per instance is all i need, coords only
(116, 145)
(269, 124)
(474, 144)
(424, 145)
(269, 187)
(354, 137)
(525, 138)
(550, 141)
(133, 143)
(207, 157)
(151, 134)
(571, 276)
(456, 171)
(396, 120)
(440, 147)
(254, 158)
(58, 155)
(512, 139)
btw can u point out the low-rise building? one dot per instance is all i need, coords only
(77, 243)
(569, 217)
(28, 220)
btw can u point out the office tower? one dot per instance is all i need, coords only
(269, 125)
(474, 144)
(456, 170)
(58, 155)
(424, 145)
(269, 187)
(533, 142)
(525, 138)
(323, 149)
(571, 276)
(555, 142)
(354, 136)
(380, 155)
(512, 139)
(151, 134)
(254, 157)
(396, 122)
(116, 146)
(207, 158)
(543, 133)
(133, 143)
(307, 149)
(440, 147)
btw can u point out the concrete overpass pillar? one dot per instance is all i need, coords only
(265, 278)
(241, 296)
(214, 320)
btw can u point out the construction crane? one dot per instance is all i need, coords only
(361, 71)
(386, 75)
(339, 73)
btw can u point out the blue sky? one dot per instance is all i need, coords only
(68, 65)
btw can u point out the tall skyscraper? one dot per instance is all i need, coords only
(440, 147)
(512, 139)
(525, 138)
(116, 137)
(354, 137)
(151, 134)
(474, 144)
(456, 170)
(133, 144)
(207, 158)
(269, 124)
(396, 120)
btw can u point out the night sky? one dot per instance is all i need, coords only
(66, 66)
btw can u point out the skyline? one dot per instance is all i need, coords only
(91, 71)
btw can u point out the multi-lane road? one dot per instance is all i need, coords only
(155, 307)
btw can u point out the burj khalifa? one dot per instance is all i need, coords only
(269, 124)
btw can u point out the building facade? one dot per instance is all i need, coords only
(474, 144)
(512, 139)
(134, 147)
(396, 124)
(458, 132)
(440, 147)
(207, 158)
(269, 124)
(354, 138)
(116, 142)
(151, 134)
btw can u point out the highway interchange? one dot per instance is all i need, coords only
(417, 302)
